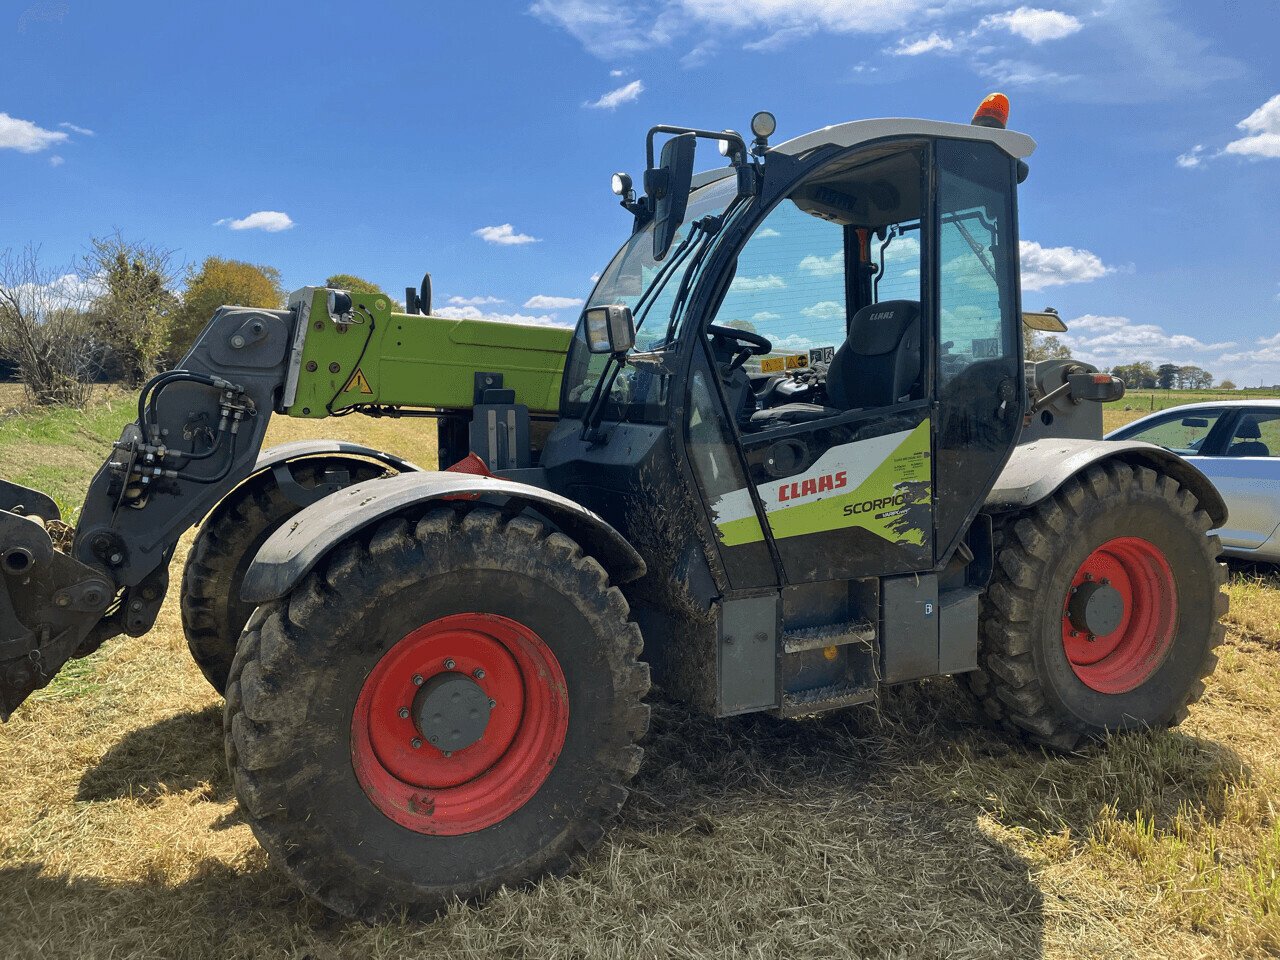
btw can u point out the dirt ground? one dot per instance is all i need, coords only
(902, 831)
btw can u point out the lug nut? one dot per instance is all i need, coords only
(1088, 576)
(417, 679)
(404, 713)
(492, 704)
(449, 664)
(435, 739)
(1105, 582)
(448, 753)
(1075, 633)
(478, 673)
(415, 743)
(1091, 638)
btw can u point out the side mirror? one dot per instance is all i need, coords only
(418, 301)
(610, 329)
(1099, 387)
(668, 190)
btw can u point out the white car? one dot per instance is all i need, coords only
(1237, 445)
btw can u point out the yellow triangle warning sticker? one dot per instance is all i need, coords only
(358, 382)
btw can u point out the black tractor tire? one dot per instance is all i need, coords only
(213, 615)
(301, 674)
(1026, 682)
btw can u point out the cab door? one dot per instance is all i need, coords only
(980, 389)
(843, 490)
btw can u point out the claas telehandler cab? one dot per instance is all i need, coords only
(776, 467)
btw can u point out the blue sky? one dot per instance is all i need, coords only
(476, 139)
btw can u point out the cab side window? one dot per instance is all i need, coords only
(790, 283)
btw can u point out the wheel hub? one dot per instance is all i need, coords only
(451, 711)
(1119, 615)
(1095, 608)
(459, 723)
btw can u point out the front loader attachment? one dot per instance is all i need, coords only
(50, 603)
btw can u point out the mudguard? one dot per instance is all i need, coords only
(1036, 470)
(311, 448)
(293, 550)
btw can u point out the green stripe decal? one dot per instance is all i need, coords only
(843, 490)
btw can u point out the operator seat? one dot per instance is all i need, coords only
(878, 364)
(1251, 445)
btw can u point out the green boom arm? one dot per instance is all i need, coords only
(380, 358)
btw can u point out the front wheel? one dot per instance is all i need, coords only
(1103, 612)
(447, 706)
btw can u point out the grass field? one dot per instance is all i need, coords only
(904, 831)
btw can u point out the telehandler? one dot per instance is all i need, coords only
(790, 455)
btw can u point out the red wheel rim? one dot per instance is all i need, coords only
(421, 786)
(1124, 657)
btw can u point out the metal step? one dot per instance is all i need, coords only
(829, 635)
(802, 703)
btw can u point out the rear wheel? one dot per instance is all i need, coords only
(213, 615)
(446, 706)
(1103, 613)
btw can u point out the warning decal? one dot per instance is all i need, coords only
(358, 382)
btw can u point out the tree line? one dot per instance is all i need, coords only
(120, 313)
(1139, 375)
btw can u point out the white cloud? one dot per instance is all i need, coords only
(84, 132)
(56, 161)
(504, 234)
(595, 278)
(764, 316)
(826, 310)
(1053, 266)
(617, 73)
(1020, 73)
(755, 284)
(543, 302)
(699, 55)
(1034, 24)
(766, 232)
(1107, 341)
(779, 39)
(838, 16)
(25, 137)
(1192, 158)
(1263, 129)
(831, 266)
(934, 41)
(272, 221)
(616, 98)
(474, 301)
(475, 313)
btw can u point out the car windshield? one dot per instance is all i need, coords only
(631, 272)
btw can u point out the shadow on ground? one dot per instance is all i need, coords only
(179, 753)
(861, 834)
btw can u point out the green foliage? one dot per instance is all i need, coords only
(1227, 385)
(135, 308)
(354, 284)
(218, 282)
(1039, 346)
(1136, 376)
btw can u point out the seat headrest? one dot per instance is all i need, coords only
(1248, 429)
(878, 327)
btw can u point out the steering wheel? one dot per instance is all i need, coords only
(750, 344)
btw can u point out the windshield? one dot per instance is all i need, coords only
(631, 272)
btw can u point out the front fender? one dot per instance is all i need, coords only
(1036, 470)
(314, 448)
(293, 550)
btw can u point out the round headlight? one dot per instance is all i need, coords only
(763, 124)
(621, 184)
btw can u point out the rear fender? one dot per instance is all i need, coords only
(1037, 470)
(294, 550)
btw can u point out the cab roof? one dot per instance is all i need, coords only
(1016, 145)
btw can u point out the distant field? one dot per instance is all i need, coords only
(903, 831)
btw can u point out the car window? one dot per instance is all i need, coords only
(1257, 434)
(1183, 432)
